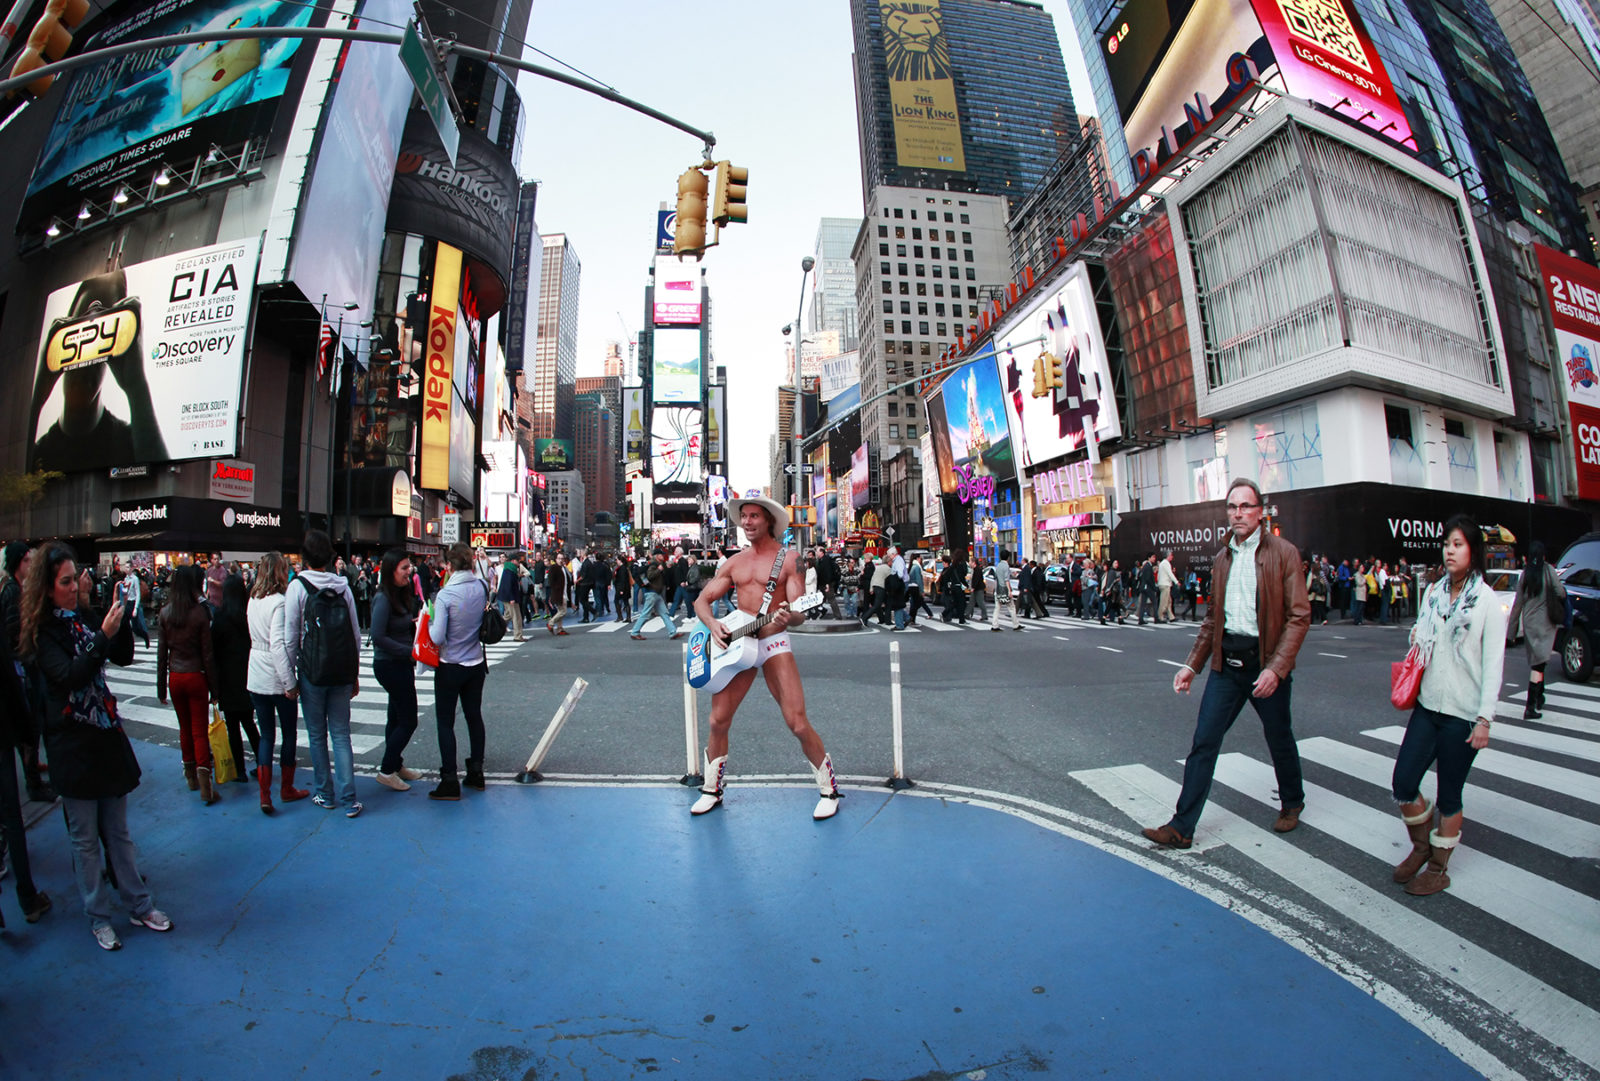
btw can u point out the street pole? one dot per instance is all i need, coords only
(799, 412)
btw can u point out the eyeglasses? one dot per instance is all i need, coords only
(1240, 508)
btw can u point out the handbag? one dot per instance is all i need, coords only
(492, 628)
(423, 651)
(1405, 680)
(223, 767)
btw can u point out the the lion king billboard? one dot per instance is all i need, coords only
(927, 125)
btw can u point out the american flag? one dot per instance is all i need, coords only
(324, 349)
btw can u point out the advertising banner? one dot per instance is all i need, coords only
(716, 419)
(1572, 289)
(677, 293)
(932, 505)
(553, 455)
(860, 478)
(975, 422)
(676, 366)
(521, 278)
(471, 204)
(922, 91)
(1053, 425)
(144, 364)
(717, 496)
(119, 120)
(633, 424)
(233, 480)
(666, 227)
(676, 447)
(440, 359)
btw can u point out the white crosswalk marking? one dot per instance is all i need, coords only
(1570, 782)
(1553, 718)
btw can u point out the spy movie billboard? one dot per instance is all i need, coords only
(119, 120)
(1572, 289)
(144, 364)
(1055, 424)
(922, 90)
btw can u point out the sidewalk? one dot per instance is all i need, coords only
(601, 932)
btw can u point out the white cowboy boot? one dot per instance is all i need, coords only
(828, 805)
(711, 788)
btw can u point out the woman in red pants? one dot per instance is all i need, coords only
(185, 652)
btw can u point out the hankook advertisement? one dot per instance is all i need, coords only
(144, 364)
(471, 204)
(121, 120)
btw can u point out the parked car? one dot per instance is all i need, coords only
(1056, 580)
(988, 579)
(1579, 570)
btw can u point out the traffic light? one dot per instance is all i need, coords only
(49, 41)
(689, 235)
(1057, 379)
(728, 197)
(1041, 376)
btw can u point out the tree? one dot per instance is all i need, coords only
(19, 491)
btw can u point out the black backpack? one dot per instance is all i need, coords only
(327, 641)
(493, 626)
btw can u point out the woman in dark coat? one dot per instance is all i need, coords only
(1539, 611)
(230, 645)
(91, 761)
(16, 731)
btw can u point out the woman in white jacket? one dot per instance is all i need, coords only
(1461, 633)
(271, 681)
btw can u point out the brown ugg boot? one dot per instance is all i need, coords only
(1432, 878)
(190, 777)
(1417, 826)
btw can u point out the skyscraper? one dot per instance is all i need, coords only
(555, 366)
(609, 390)
(959, 95)
(833, 297)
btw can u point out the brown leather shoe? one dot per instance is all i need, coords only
(1288, 818)
(1167, 837)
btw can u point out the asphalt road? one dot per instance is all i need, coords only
(1078, 725)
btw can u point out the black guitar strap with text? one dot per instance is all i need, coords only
(772, 582)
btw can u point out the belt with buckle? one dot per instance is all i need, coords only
(1241, 651)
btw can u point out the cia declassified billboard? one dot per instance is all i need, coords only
(144, 364)
(120, 119)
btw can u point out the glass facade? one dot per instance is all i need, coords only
(555, 368)
(833, 298)
(1011, 93)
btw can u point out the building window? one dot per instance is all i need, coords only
(883, 268)
(1463, 456)
(972, 276)
(1405, 449)
(888, 307)
(888, 346)
(938, 271)
(1508, 467)
(894, 431)
(899, 214)
(967, 255)
(916, 234)
(902, 270)
(941, 331)
(946, 215)
(965, 220)
(938, 309)
(911, 431)
(883, 230)
(927, 351)
(894, 409)
(905, 347)
(922, 289)
(888, 326)
(900, 250)
(905, 288)
(888, 286)
(922, 307)
(917, 251)
(905, 326)
(905, 307)
(1288, 448)
(955, 272)
(883, 249)
(922, 327)
(966, 238)
(938, 290)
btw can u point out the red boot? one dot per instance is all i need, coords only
(264, 777)
(287, 792)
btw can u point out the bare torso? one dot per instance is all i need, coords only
(748, 572)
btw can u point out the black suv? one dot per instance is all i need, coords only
(1579, 569)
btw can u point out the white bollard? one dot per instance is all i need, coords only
(530, 772)
(691, 730)
(898, 780)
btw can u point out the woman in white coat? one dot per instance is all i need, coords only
(270, 680)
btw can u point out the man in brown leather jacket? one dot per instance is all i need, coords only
(1254, 625)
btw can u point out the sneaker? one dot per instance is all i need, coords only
(155, 919)
(107, 938)
(409, 774)
(392, 780)
(354, 810)
(322, 801)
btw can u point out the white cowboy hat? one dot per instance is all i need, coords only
(780, 513)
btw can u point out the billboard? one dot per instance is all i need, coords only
(1161, 53)
(471, 204)
(676, 445)
(675, 366)
(120, 120)
(1572, 289)
(633, 424)
(716, 424)
(1053, 425)
(922, 90)
(676, 297)
(860, 477)
(440, 359)
(974, 424)
(522, 278)
(553, 455)
(144, 364)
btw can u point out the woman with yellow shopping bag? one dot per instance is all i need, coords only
(185, 665)
(230, 642)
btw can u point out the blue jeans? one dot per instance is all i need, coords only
(326, 711)
(653, 605)
(1091, 603)
(1434, 737)
(273, 712)
(681, 596)
(89, 823)
(1225, 696)
(398, 677)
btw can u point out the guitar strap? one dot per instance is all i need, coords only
(772, 582)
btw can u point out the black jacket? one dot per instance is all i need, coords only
(393, 631)
(86, 762)
(230, 646)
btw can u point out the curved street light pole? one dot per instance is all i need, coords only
(798, 415)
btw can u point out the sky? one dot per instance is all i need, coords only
(774, 86)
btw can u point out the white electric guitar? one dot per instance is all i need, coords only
(711, 668)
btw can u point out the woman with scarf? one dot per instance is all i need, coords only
(1461, 635)
(92, 764)
(1538, 612)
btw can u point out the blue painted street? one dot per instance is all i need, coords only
(583, 931)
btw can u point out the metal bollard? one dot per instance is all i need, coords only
(530, 772)
(691, 730)
(898, 780)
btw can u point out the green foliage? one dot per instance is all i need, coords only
(19, 491)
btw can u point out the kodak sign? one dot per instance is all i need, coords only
(438, 365)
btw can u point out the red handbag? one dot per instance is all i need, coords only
(1405, 680)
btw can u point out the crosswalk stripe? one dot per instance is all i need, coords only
(1563, 917)
(1576, 690)
(1571, 746)
(163, 717)
(1537, 825)
(1144, 796)
(1552, 718)
(1568, 782)
(1536, 1006)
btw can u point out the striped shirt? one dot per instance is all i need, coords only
(1239, 603)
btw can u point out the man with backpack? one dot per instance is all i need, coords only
(324, 650)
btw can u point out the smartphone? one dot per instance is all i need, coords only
(122, 595)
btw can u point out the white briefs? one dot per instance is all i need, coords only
(771, 647)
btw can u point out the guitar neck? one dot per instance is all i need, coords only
(761, 621)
